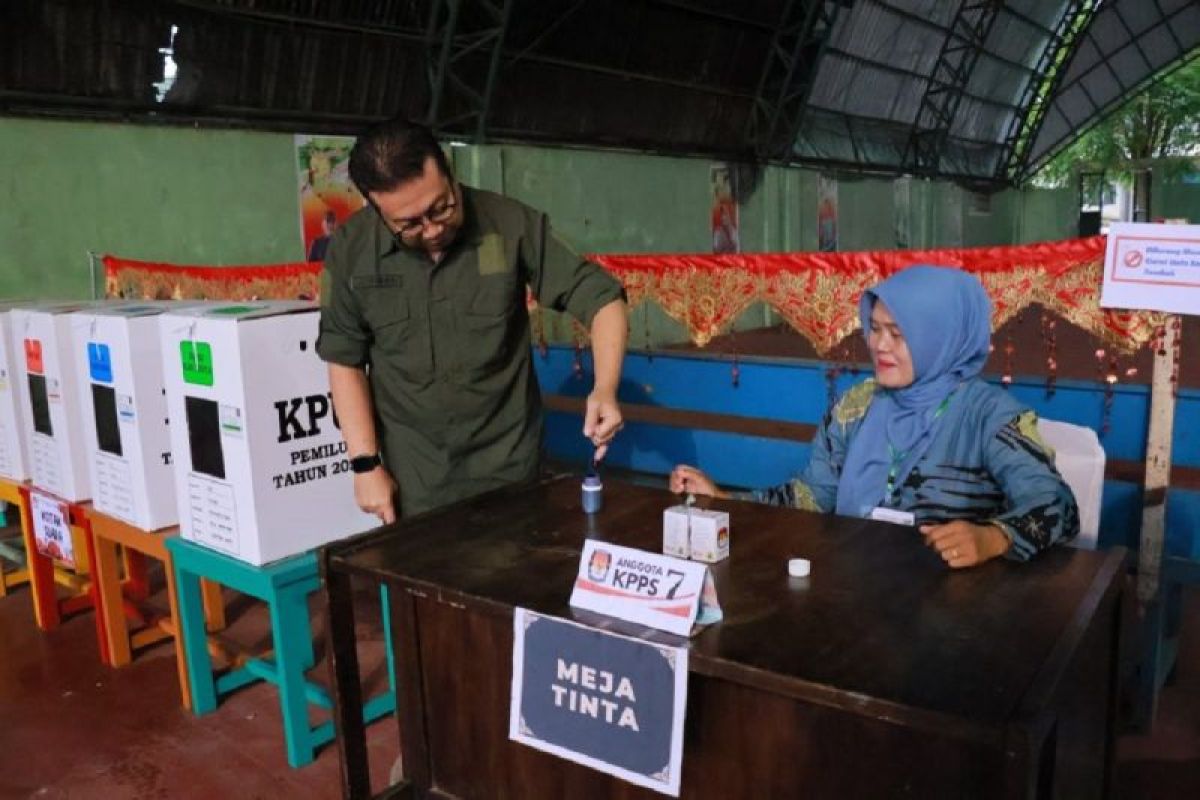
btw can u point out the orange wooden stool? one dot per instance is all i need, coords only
(10, 492)
(118, 609)
(48, 608)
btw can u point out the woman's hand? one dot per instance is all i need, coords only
(693, 481)
(965, 544)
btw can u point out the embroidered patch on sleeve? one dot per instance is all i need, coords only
(491, 255)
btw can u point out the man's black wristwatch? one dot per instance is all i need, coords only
(361, 464)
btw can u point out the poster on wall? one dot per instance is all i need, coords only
(902, 211)
(827, 214)
(327, 196)
(722, 180)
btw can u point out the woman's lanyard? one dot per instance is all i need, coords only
(896, 457)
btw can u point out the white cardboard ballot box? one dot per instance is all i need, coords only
(14, 459)
(119, 365)
(261, 471)
(51, 398)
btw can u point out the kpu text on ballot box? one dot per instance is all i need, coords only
(118, 360)
(261, 471)
(52, 399)
(14, 461)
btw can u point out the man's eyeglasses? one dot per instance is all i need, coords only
(437, 214)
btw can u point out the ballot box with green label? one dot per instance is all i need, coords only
(52, 398)
(118, 360)
(14, 460)
(261, 471)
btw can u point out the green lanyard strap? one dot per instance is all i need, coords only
(896, 457)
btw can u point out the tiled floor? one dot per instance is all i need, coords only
(71, 728)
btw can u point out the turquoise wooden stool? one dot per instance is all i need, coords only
(284, 586)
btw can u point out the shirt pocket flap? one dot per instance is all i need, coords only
(382, 297)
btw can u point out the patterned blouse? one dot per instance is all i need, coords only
(1006, 478)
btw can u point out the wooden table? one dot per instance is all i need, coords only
(882, 674)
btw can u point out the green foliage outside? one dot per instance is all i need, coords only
(1161, 124)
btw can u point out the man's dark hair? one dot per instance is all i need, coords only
(391, 153)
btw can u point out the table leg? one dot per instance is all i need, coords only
(347, 689)
(293, 655)
(214, 605)
(189, 628)
(93, 592)
(173, 603)
(137, 584)
(111, 607)
(41, 573)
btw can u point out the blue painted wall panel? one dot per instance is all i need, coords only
(796, 391)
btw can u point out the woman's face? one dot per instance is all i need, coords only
(889, 351)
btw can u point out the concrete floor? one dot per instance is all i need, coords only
(72, 728)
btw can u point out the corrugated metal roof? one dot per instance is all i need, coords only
(953, 88)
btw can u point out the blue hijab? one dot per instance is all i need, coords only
(945, 318)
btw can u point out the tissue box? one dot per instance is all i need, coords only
(709, 540)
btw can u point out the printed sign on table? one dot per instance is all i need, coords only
(647, 588)
(52, 528)
(610, 702)
(1152, 267)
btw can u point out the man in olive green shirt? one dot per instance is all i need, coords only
(424, 327)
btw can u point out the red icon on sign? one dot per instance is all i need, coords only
(1133, 259)
(33, 356)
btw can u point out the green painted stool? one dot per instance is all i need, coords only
(284, 586)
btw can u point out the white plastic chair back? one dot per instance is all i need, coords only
(1080, 460)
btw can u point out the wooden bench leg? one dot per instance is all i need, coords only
(111, 607)
(293, 656)
(41, 573)
(181, 665)
(189, 629)
(214, 605)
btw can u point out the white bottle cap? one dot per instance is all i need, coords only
(799, 567)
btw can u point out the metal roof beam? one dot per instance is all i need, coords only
(789, 70)
(950, 32)
(947, 82)
(833, 112)
(448, 47)
(598, 69)
(717, 16)
(280, 18)
(1035, 100)
(908, 73)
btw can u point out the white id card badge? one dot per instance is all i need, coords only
(893, 515)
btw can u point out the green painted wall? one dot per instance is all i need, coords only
(1175, 199)
(229, 197)
(155, 193)
(1043, 215)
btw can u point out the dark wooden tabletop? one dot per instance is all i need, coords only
(881, 625)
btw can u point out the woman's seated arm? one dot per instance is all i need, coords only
(815, 487)
(1040, 507)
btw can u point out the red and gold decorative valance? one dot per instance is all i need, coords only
(816, 293)
(147, 280)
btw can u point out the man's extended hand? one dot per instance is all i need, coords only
(602, 420)
(375, 493)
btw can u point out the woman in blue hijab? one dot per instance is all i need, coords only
(927, 441)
